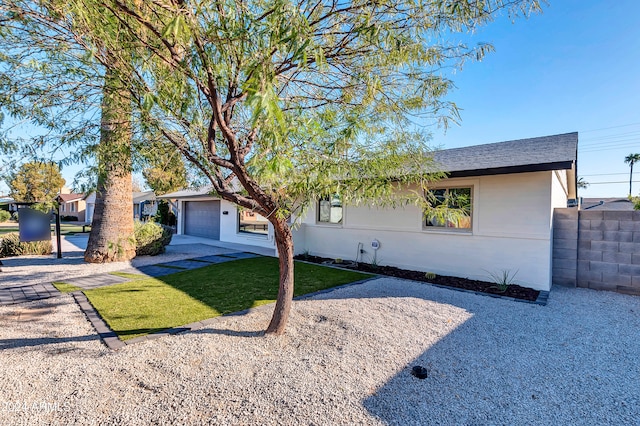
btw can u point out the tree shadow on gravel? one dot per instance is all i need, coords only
(43, 341)
(504, 362)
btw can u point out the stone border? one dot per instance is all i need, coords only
(108, 336)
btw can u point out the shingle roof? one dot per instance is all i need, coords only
(139, 197)
(607, 204)
(557, 152)
(70, 197)
(204, 191)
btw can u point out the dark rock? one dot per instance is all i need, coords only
(420, 372)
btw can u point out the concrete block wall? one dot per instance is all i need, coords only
(607, 249)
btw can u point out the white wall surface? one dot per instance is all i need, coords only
(229, 229)
(511, 230)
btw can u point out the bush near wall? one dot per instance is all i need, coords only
(4, 216)
(151, 238)
(69, 218)
(10, 245)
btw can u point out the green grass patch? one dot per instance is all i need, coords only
(127, 275)
(66, 288)
(149, 305)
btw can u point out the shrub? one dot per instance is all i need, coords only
(14, 216)
(10, 245)
(4, 216)
(164, 215)
(151, 238)
(69, 218)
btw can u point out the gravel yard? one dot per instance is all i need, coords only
(346, 359)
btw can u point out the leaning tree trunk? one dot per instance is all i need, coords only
(112, 238)
(284, 243)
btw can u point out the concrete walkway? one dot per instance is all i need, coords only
(185, 251)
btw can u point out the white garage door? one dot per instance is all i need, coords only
(202, 219)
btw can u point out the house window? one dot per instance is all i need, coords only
(62, 207)
(330, 209)
(451, 208)
(73, 207)
(252, 223)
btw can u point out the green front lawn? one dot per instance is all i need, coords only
(149, 305)
(65, 228)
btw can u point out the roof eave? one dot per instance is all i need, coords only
(526, 168)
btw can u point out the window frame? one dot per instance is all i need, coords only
(435, 228)
(248, 233)
(329, 198)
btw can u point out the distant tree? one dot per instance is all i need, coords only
(165, 170)
(136, 185)
(36, 182)
(583, 184)
(631, 159)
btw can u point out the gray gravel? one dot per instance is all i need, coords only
(346, 359)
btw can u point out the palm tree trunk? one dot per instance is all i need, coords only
(630, 177)
(112, 238)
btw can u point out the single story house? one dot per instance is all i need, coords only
(611, 204)
(8, 204)
(73, 205)
(144, 205)
(512, 189)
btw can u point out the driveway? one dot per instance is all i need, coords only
(28, 278)
(345, 359)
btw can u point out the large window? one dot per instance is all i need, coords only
(451, 208)
(330, 209)
(252, 223)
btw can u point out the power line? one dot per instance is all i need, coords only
(607, 128)
(605, 174)
(611, 142)
(603, 183)
(614, 136)
(609, 148)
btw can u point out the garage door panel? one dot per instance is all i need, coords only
(202, 219)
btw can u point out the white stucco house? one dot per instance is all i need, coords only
(512, 187)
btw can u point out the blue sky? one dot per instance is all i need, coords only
(572, 68)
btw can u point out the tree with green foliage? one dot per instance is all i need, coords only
(631, 159)
(164, 170)
(50, 79)
(36, 182)
(281, 103)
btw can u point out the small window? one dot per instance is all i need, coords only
(451, 208)
(252, 223)
(330, 209)
(62, 207)
(73, 207)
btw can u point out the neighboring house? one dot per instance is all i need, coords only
(144, 205)
(90, 200)
(618, 204)
(8, 203)
(73, 205)
(512, 188)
